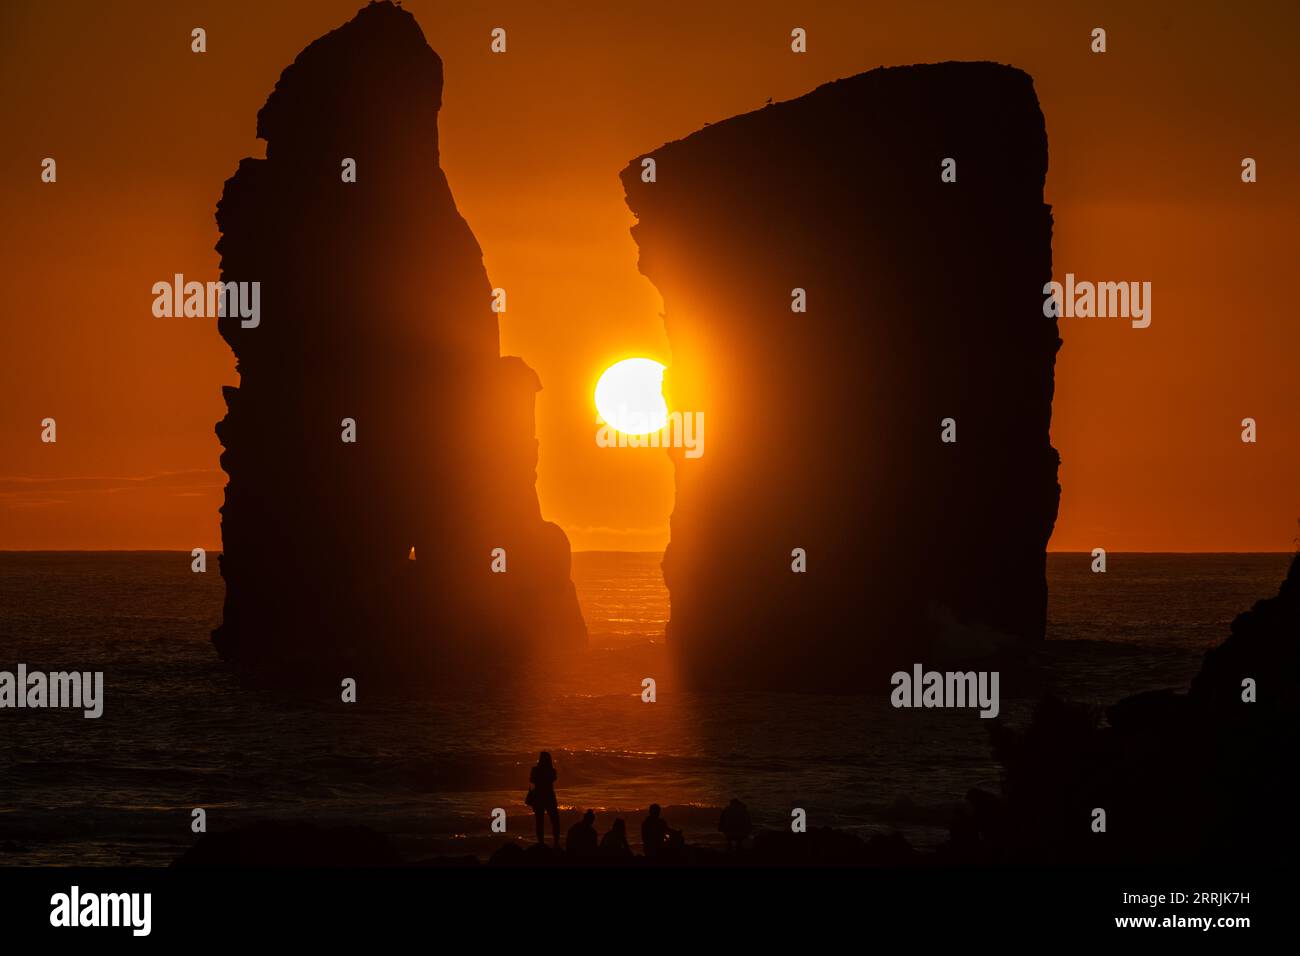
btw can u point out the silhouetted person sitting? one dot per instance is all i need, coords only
(656, 834)
(614, 843)
(735, 824)
(676, 842)
(581, 840)
(542, 797)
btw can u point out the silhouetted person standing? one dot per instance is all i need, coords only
(542, 797)
(655, 832)
(735, 824)
(614, 843)
(581, 840)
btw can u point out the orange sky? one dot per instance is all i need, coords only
(1145, 148)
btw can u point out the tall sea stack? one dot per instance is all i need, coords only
(924, 302)
(374, 307)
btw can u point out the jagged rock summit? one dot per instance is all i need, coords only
(922, 319)
(375, 308)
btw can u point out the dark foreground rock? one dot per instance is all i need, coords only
(291, 844)
(924, 302)
(305, 844)
(818, 846)
(374, 307)
(1182, 777)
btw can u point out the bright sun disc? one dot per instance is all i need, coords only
(630, 398)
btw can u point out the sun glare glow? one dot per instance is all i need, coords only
(630, 398)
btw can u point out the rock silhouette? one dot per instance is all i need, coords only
(924, 302)
(1183, 777)
(301, 843)
(291, 843)
(375, 307)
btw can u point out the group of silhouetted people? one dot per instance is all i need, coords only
(657, 837)
(583, 841)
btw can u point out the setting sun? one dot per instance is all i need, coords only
(629, 396)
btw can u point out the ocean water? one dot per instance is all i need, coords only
(179, 732)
